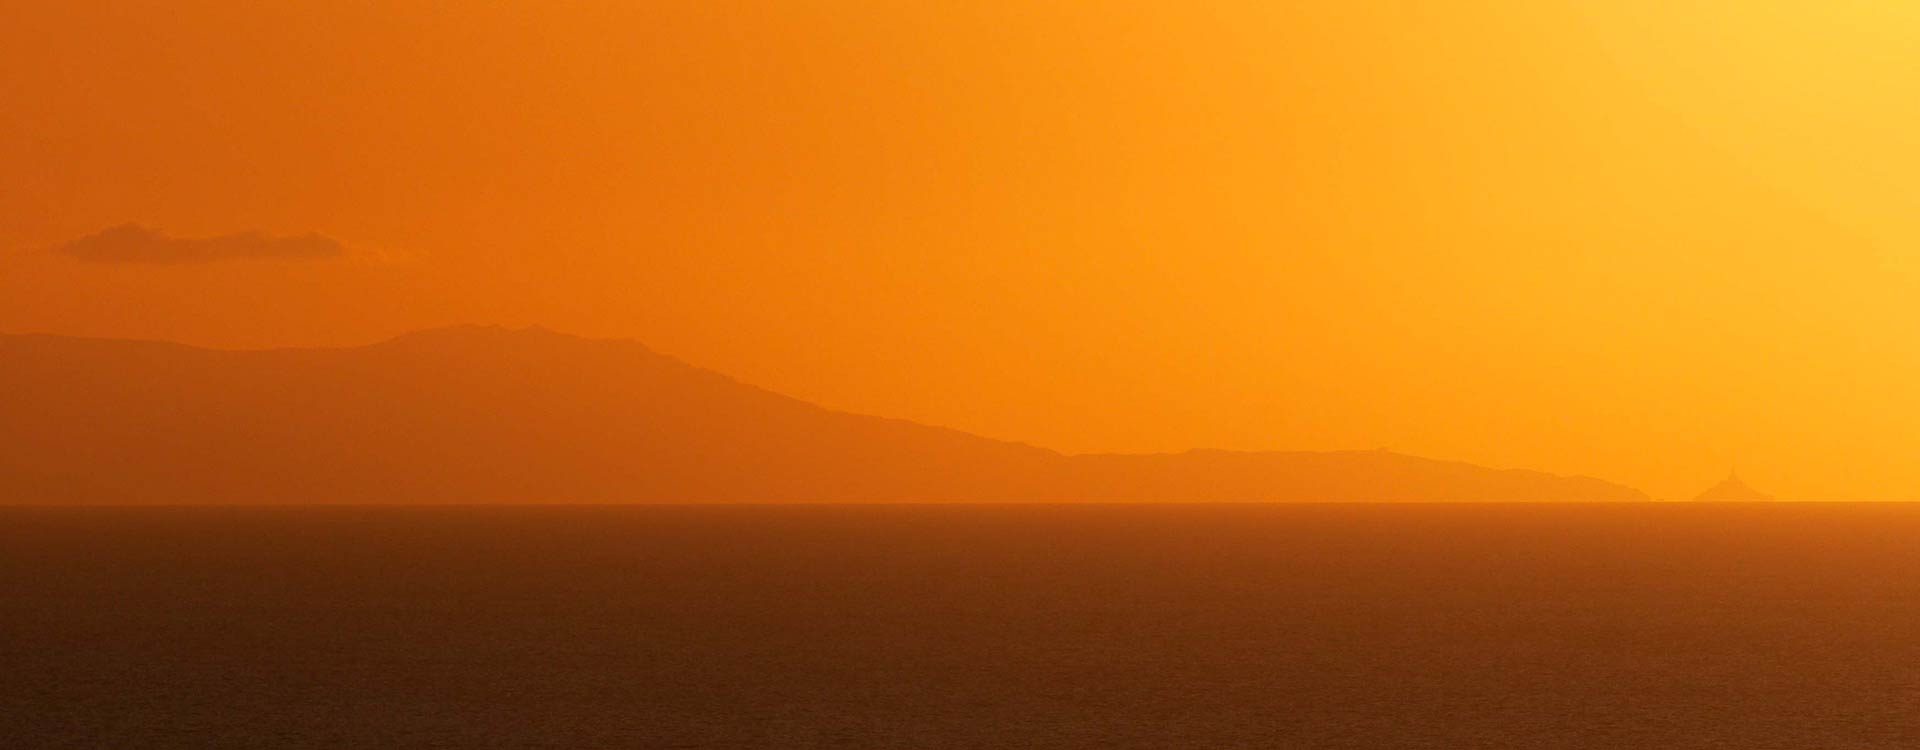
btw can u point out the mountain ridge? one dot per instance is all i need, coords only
(485, 415)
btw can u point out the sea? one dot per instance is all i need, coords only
(1655, 625)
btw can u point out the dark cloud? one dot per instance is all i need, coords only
(132, 243)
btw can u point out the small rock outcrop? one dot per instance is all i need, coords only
(1732, 490)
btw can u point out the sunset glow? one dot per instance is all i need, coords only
(1644, 241)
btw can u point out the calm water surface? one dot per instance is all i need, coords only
(1643, 626)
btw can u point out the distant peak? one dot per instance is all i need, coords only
(1733, 489)
(470, 331)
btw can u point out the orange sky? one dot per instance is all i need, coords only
(1640, 240)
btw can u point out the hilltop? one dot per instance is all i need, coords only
(489, 415)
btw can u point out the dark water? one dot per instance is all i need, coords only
(1650, 626)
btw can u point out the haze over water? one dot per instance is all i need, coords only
(1144, 626)
(959, 374)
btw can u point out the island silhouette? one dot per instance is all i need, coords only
(487, 415)
(1732, 490)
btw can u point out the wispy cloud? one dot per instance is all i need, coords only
(132, 243)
